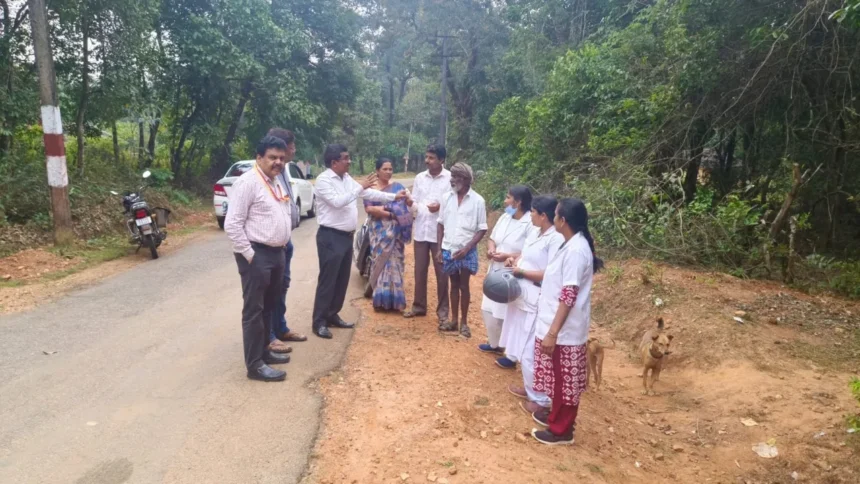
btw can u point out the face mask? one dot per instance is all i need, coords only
(510, 211)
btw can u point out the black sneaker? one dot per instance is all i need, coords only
(548, 438)
(541, 417)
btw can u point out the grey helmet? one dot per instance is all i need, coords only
(501, 286)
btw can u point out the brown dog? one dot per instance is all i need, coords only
(594, 352)
(654, 349)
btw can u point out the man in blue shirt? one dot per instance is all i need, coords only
(280, 332)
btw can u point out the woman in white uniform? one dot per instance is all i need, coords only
(518, 333)
(505, 242)
(564, 317)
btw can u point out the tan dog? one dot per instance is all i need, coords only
(654, 349)
(594, 352)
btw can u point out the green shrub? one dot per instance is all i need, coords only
(846, 278)
(160, 177)
(854, 420)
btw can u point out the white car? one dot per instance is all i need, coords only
(302, 189)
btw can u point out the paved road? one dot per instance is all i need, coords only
(148, 383)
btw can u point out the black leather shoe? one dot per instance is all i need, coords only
(267, 373)
(275, 358)
(323, 333)
(336, 322)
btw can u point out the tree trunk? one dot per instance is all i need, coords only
(115, 137)
(403, 82)
(727, 161)
(222, 158)
(150, 145)
(697, 140)
(835, 181)
(781, 217)
(141, 154)
(176, 161)
(52, 125)
(85, 92)
(8, 32)
(463, 98)
(788, 277)
(408, 147)
(443, 116)
(390, 101)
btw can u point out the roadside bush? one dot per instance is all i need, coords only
(493, 183)
(846, 280)
(25, 211)
(854, 420)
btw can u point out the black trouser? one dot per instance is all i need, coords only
(334, 248)
(262, 279)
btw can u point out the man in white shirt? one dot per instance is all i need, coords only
(428, 190)
(337, 214)
(462, 224)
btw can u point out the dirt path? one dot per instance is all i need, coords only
(411, 405)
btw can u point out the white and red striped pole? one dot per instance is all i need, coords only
(52, 125)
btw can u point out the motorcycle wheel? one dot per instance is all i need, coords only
(153, 249)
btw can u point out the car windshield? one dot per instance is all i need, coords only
(239, 169)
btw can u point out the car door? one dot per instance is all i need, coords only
(301, 187)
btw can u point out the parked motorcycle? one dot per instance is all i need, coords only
(143, 223)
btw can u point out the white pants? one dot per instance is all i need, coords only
(528, 366)
(494, 328)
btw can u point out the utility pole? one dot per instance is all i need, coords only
(443, 118)
(52, 125)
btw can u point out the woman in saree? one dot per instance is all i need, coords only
(390, 231)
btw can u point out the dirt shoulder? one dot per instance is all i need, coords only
(412, 405)
(42, 274)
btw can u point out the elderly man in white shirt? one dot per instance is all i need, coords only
(462, 224)
(337, 214)
(429, 189)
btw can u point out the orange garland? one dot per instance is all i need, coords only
(282, 198)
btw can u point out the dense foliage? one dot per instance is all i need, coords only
(679, 121)
(182, 85)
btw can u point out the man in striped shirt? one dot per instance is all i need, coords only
(259, 223)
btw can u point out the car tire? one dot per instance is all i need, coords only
(299, 206)
(220, 222)
(312, 211)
